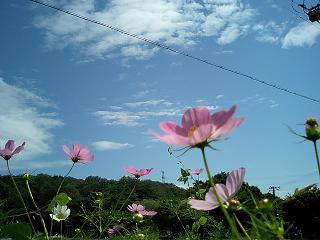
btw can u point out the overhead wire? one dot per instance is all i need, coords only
(168, 48)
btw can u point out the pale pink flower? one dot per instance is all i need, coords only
(148, 213)
(138, 208)
(135, 208)
(196, 171)
(9, 150)
(138, 172)
(199, 127)
(79, 154)
(226, 192)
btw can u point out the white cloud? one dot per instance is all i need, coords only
(22, 119)
(131, 119)
(304, 34)
(118, 118)
(269, 32)
(107, 145)
(178, 23)
(148, 103)
(219, 96)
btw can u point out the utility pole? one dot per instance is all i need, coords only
(274, 189)
(162, 177)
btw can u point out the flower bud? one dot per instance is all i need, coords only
(26, 176)
(265, 205)
(312, 129)
(141, 236)
(137, 217)
(99, 194)
(233, 205)
(77, 230)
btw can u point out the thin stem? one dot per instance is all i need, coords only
(184, 229)
(317, 155)
(20, 196)
(65, 176)
(241, 227)
(38, 210)
(61, 230)
(129, 195)
(234, 230)
(122, 191)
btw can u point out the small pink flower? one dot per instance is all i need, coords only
(199, 127)
(226, 192)
(78, 154)
(196, 171)
(9, 150)
(138, 208)
(148, 213)
(138, 172)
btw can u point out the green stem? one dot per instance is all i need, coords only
(64, 178)
(317, 156)
(134, 187)
(61, 230)
(20, 196)
(38, 210)
(240, 225)
(234, 230)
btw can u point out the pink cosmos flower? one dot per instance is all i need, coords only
(138, 208)
(138, 172)
(79, 154)
(226, 192)
(135, 208)
(199, 127)
(9, 150)
(196, 171)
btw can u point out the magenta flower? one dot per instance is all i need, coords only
(138, 208)
(199, 127)
(9, 150)
(226, 192)
(79, 154)
(196, 171)
(138, 172)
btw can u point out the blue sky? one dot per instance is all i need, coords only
(65, 81)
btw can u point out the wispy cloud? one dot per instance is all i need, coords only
(304, 34)
(108, 145)
(148, 103)
(269, 32)
(177, 23)
(23, 119)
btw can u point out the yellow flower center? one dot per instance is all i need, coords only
(191, 131)
(60, 216)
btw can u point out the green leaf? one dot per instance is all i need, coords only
(62, 199)
(203, 220)
(21, 231)
(195, 227)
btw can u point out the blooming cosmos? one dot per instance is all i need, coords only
(79, 154)
(60, 213)
(196, 171)
(226, 192)
(199, 127)
(9, 150)
(138, 208)
(138, 172)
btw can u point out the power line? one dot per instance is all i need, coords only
(160, 45)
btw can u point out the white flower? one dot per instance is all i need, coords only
(60, 213)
